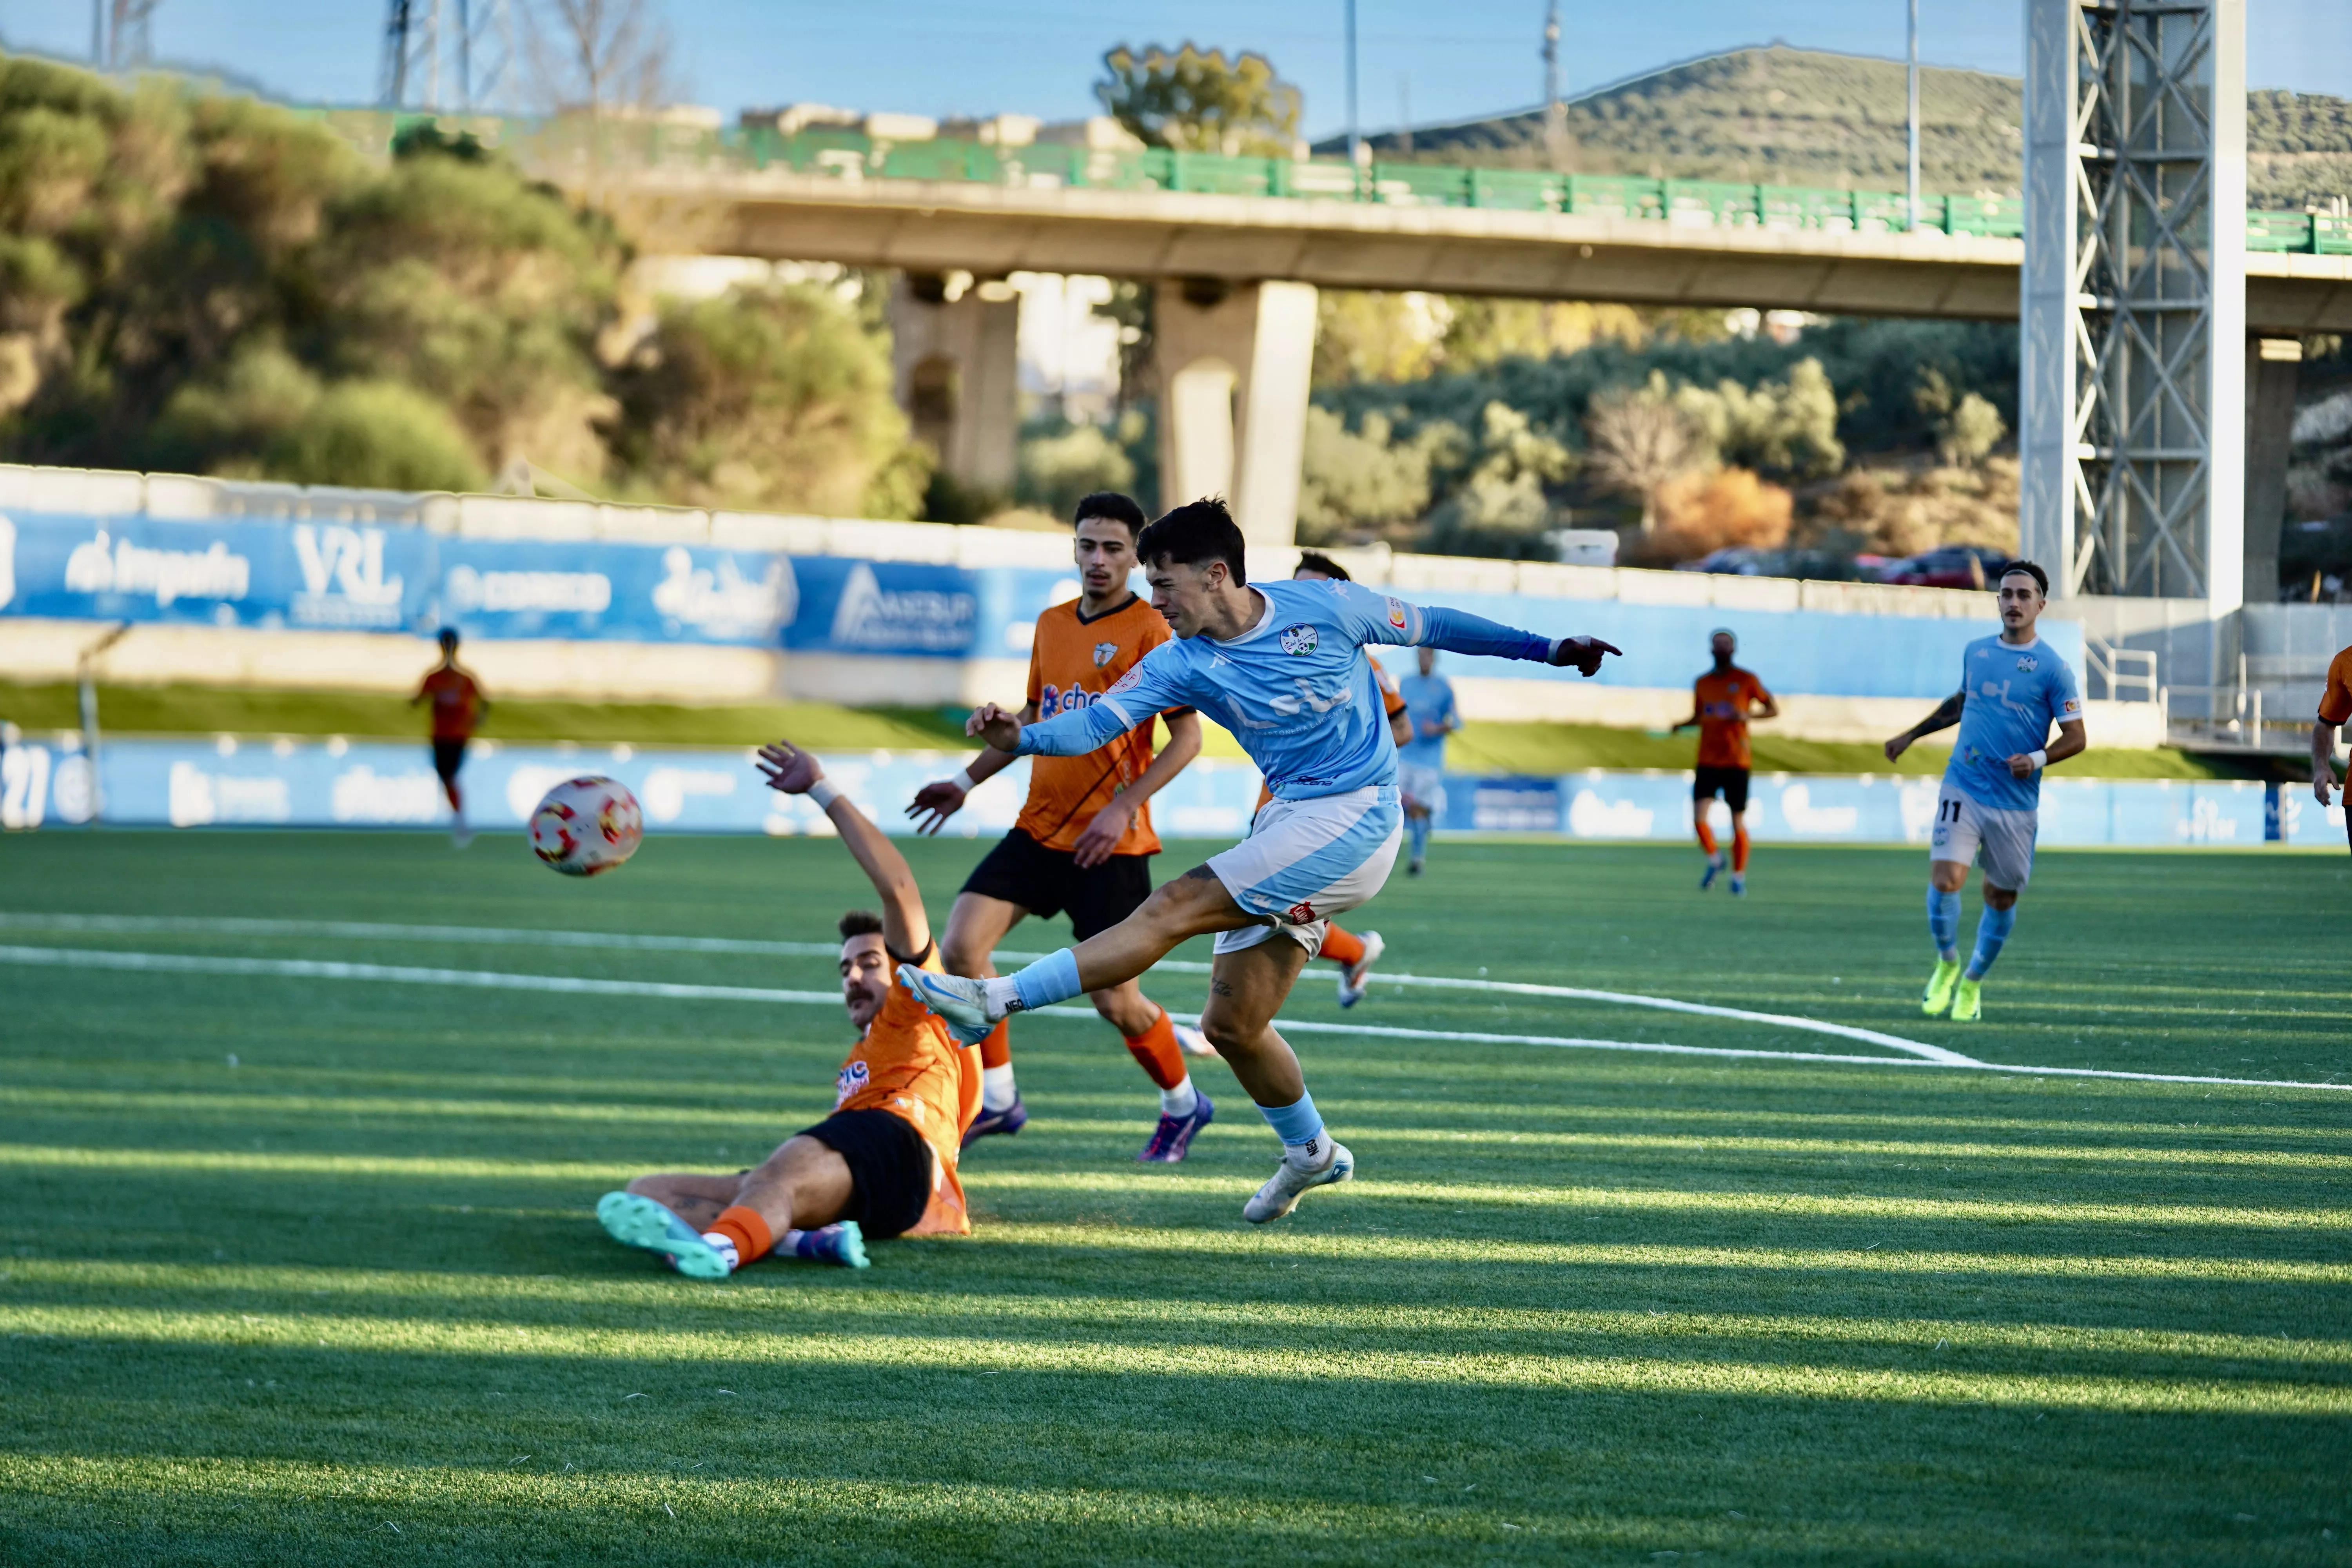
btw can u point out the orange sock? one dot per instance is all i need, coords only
(1706, 834)
(746, 1230)
(1341, 947)
(1157, 1052)
(1738, 846)
(996, 1051)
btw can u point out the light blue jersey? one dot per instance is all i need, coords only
(1296, 690)
(2014, 694)
(1428, 700)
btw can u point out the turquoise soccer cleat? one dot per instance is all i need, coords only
(640, 1222)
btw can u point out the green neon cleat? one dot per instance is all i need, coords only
(1967, 1002)
(634, 1221)
(1938, 995)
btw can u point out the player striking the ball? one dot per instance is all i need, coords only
(1084, 841)
(1284, 665)
(458, 709)
(884, 1162)
(2013, 686)
(1722, 702)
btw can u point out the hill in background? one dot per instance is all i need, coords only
(1801, 116)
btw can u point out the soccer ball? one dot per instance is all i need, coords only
(586, 826)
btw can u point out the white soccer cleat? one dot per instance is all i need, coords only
(1194, 1043)
(1280, 1194)
(961, 1004)
(1353, 975)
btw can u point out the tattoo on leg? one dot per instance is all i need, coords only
(1222, 987)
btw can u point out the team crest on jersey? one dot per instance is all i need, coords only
(1397, 614)
(1104, 653)
(1299, 640)
(2028, 663)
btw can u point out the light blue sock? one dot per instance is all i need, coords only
(1419, 828)
(1943, 923)
(1053, 978)
(1992, 931)
(1294, 1125)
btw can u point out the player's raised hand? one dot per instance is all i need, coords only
(788, 769)
(1582, 654)
(935, 802)
(1000, 727)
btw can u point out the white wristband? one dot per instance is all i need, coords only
(823, 793)
(2040, 760)
(964, 781)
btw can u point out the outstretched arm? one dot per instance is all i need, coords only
(905, 929)
(1383, 619)
(1946, 714)
(942, 798)
(1156, 683)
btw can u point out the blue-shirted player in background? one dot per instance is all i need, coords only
(1283, 664)
(1420, 766)
(2013, 686)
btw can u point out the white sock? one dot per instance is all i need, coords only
(1312, 1155)
(724, 1245)
(1181, 1100)
(1001, 996)
(997, 1091)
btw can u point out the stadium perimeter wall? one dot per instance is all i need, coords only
(255, 584)
(281, 783)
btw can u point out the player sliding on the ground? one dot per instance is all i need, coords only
(1284, 665)
(2013, 687)
(1084, 841)
(1722, 701)
(884, 1162)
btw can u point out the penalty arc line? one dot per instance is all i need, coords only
(321, 969)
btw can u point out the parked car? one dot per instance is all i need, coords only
(1814, 566)
(1951, 566)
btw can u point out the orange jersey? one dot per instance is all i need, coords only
(909, 1065)
(2336, 702)
(1723, 702)
(456, 703)
(1071, 663)
(1392, 699)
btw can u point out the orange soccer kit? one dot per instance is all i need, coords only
(1345, 947)
(456, 703)
(2336, 708)
(909, 1065)
(1722, 699)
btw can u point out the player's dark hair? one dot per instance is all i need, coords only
(1112, 505)
(860, 922)
(1316, 561)
(447, 634)
(2040, 578)
(1194, 534)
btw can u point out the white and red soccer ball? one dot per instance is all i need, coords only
(586, 826)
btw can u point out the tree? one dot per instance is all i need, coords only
(1496, 504)
(1353, 479)
(1196, 101)
(1780, 427)
(1966, 426)
(592, 57)
(1641, 442)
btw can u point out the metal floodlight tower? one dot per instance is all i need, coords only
(120, 34)
(412, 55)
(2131, 422)
(485, 53)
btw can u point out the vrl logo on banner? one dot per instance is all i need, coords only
(343, 581)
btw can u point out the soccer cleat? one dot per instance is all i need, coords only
(1280, 1194)
(1353, 975)
(1739, 884)
(988, 1123)
(640, 1222)
(1715, 864)
(1191, 1041)
(1173, 1139)
(1413, 867)
(841, 1242)
(961, 1004)
(1967, 1002)
(1938, 995)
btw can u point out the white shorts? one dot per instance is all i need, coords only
(1425, 785)
(1307, 860)
(2005, 839)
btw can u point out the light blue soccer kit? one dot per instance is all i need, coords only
(1297, 689)
(2013, 695)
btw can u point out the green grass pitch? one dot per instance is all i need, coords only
(303, 1269)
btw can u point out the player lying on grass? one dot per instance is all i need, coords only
(1282, 664)
(2013, 686)
(884, 1162)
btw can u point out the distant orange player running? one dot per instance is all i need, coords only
(1084, 841)
(2335, 708)
(884, 1162)
(1722, 702)
(458, 707)
(1354, 954)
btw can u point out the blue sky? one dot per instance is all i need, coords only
(1457, 59)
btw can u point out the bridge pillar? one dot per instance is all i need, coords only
(956, 366)
(1233, 366)
(2272, 368)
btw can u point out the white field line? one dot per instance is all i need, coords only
(478, 935)
(319, 969)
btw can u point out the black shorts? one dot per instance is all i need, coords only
(1047, 882)
(449, 756)
(889, 1168)
(1730, 782)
